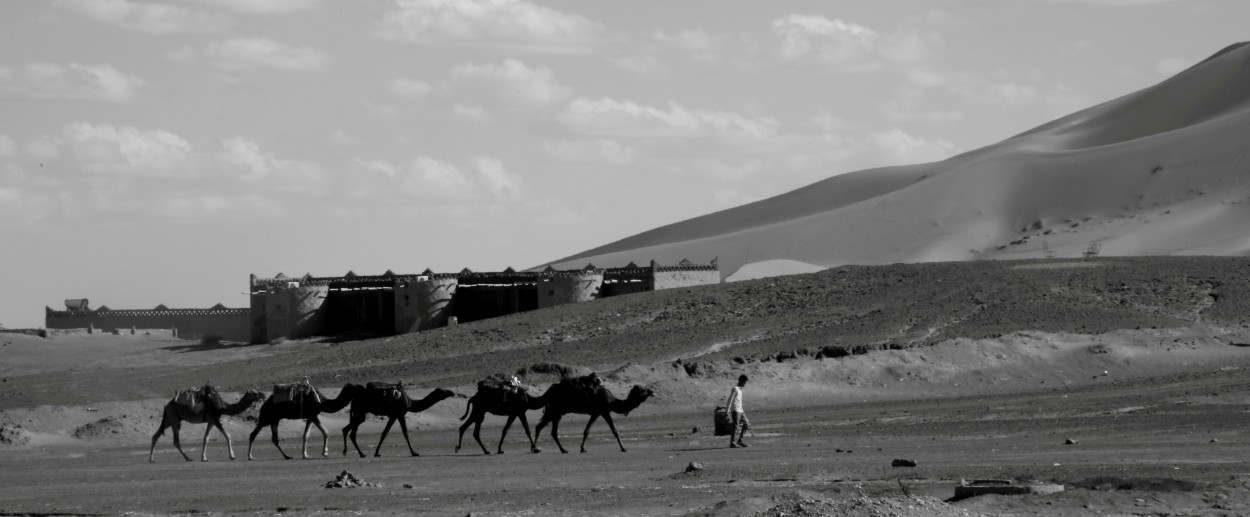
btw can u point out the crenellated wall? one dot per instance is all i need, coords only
(229, 324)
(561, 287)
(284, 307)
(295, 312)
(425, 302)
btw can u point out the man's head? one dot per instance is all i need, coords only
(742, 380)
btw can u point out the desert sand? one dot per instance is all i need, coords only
(1123, 380)
(1161, 171)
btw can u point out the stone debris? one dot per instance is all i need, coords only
(902, 463)
(968, 489)
(695, 467)
(806, 504)
(13, 435)
(348, 480)
(1070, 441)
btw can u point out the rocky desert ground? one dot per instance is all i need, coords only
(1122, 380)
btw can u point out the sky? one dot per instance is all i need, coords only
(160, 151)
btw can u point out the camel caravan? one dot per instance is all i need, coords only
(497, 395)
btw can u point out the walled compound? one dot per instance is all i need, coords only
(386, 304)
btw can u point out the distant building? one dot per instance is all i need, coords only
(386, 304)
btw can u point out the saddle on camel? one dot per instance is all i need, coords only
(295, 392)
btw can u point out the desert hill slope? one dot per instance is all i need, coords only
(1161, 171)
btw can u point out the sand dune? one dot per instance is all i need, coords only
(1161, 171)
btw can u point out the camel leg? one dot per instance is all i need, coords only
(378, 451)
(586, 433)
(477, 434)
(352, 426)
(504, 434)
(463, 427)
(273, 434)
(555, 435)
(526, 426)
(208, 428)
(325, 438)
(608, 418)
(403, 426)
(159, 431)
(304, 445)
(229, 444)
(174, 428)
(252, 438)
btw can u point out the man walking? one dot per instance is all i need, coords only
(738, 418)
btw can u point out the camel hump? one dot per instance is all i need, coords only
(388, 390)
(294, 391)
(196, 398)
(590, 382)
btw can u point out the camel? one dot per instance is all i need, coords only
(203, 405)
(588, 398)
(498, 400)
(306, 405)
(388, 400)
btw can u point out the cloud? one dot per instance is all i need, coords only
(261, 167)
(498, 181)
(609, 117)
(1170, 66)
(7, 147)
(73, 82)
(832, 41)
(266, 6)
(1117, 3)
(471, 113)
(43, 148)
(125, 150)
(518, 24)
(151, 18)
(201, 206)
(599, 151)
(246, 53)
(515, 82)
(641, 65)
(896, 147)
(438, 182)
(408, 89)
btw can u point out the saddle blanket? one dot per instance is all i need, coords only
(294, 392)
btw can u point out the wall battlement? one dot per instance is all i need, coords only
(385, 304)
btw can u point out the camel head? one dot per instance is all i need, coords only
(637, 395)
(440, 394)
(253, 396)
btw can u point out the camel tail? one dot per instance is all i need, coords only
(468, 406)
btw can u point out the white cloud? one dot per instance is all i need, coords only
(498, 181)
(1118, 3)
(471, 113)
(611, 117)
(126, 150)
(832, 41)
(244, 53)
(516, 23)
(896, 147)
(512, 80)
(641, 65)
(74, 81)
(1170, 66)
(182, 54)
(262, 167)
(7, 147)
(601, 151)
(151, 18)
(409, 89)
(43, 148)
(266, 6)
(182, 206)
